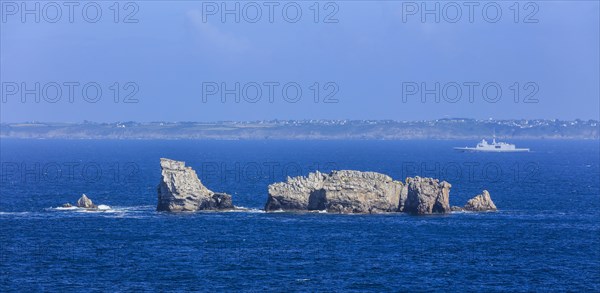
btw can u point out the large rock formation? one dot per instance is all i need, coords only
(426, 196)
(181, 190)
(359, 192)
(340, 192)
(481, 202)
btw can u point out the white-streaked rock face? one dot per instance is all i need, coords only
(481, 202)
(344, 191)
(426, 196)
(295, 193)
(85, 202)
(349, 191)
(180, 190)
(359, 192)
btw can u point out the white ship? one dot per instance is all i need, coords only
(498, 147)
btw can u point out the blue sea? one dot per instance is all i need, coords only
(545, 236)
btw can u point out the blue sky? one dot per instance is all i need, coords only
(367, 58)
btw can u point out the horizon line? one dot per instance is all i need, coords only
(298, 120)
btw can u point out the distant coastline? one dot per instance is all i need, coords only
(450, 128)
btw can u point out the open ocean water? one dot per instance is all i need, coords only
(546, 236)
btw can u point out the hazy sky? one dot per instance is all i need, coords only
(370, 60)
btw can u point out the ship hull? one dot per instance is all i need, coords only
(467, 149)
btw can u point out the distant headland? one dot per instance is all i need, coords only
(447, 128)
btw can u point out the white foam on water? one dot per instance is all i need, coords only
(65, 208)
(14, 213)
(108, 211)
(240, 209)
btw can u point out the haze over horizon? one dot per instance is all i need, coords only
(277, 119)
(372, 64)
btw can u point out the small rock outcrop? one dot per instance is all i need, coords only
(426, 196)
(480, 203)
(350, 191)
(180, 190)
(85, 202)
(457, 209)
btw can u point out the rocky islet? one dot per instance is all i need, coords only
(343, 191)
